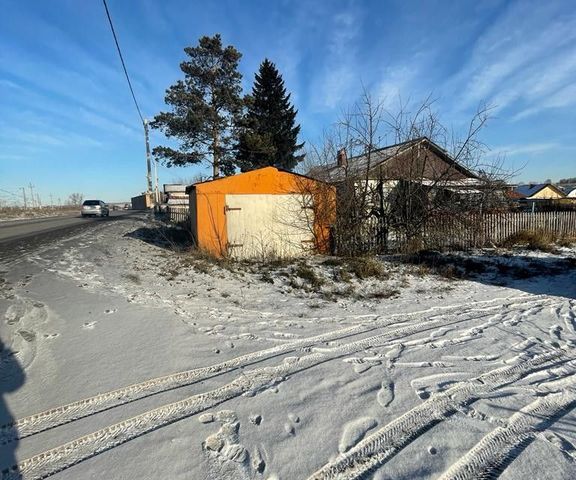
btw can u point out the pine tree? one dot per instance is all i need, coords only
(205, 108)
(269, 135)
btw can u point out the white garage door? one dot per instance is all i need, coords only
(261, 226)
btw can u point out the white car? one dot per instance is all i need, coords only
(96, 208)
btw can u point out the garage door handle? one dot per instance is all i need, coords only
(228, 209)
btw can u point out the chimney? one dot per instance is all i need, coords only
(341, 158)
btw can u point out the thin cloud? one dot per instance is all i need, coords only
(522, 149)
(340, 71)
(563, 99)
(524, 55)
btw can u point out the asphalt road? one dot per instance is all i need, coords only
(22, 235)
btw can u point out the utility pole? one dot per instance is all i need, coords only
(156, 191)
(31, 194)
(38, 202)
(148, 164)
(51, 201)
(24, 196)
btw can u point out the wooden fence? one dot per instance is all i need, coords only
(480, 230)
(178, 215)
(468, 231)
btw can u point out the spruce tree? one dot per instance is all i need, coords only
(269, 135)
(205, 108)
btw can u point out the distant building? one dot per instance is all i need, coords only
(539, 191)
(143, 202)
(540, 196)
(569, 190)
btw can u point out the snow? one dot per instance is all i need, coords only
(285, 374)
(8, 215)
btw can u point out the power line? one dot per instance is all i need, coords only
(122, 60)
(144, 122)
(10, 193)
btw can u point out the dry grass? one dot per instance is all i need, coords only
(334, 261)
(133, 277)
(540, 239)
(306, 273)
(450, 267)
(412, 246)
(366, 267)
(205, 262)
(383, 294)
(566, 241)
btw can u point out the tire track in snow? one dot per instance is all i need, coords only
(380, 447)
(55, 417)
(249, 383)
(490, 457)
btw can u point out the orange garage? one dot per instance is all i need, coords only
(262, 213)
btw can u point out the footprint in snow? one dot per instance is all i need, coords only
(110, 311)
(206, 418)
(255, 419)
(354, 431)
(385, 395)
(89, 325)
(224, 450)
(290, 426)
(554, 332)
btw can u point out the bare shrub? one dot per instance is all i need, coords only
(75, 199)
(434, 172)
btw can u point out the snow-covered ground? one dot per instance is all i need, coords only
(124, 359)
(9, 214)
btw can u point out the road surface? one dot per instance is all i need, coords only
(18, 234)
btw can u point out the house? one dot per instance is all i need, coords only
(392, 192)
(418, 162)
(538, 196)
(539, 191)
(418, 159)
(261, 213)
(569, 190)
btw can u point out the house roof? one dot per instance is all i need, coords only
(568, 189)
(527, 191)
(358, 164)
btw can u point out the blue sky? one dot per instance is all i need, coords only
(67, 122)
